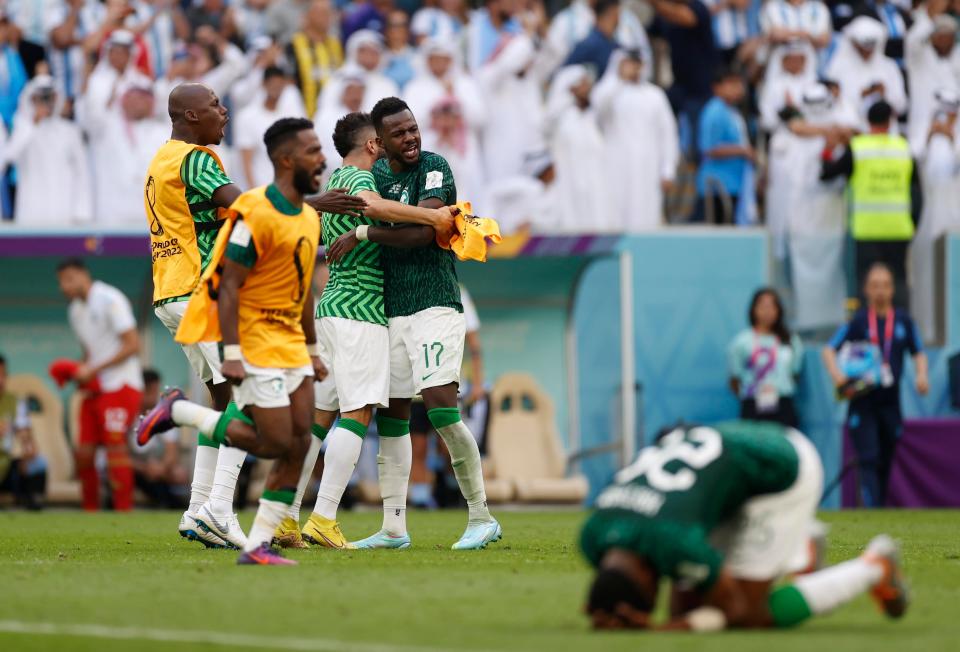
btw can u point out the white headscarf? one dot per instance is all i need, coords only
(560, 98)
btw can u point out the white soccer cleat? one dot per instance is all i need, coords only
(189, 529)
(224, 526)
(478, 535)
(383, 540)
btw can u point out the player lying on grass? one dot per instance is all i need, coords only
(724, 513)
(265, 312)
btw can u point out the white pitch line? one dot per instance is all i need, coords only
(198, 636)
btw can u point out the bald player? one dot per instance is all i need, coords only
(185, 190)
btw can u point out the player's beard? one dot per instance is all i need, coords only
(305, 181)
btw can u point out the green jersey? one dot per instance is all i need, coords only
(664, 505)
(355, 288)
(424, 277)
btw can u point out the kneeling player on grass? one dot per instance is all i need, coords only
(724, 513)
(266, 319)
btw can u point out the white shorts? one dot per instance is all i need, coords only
(357, 357)
(770, 537)
(426, 350)
(204, 357)
(269, 387)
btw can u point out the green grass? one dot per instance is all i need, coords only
(524, 593)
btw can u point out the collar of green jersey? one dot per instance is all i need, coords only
(281, 203)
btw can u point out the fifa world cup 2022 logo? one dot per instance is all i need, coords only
(150, 191)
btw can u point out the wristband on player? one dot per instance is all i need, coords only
(232, 352)
(313, 350)
(706, 619)
(362, 232)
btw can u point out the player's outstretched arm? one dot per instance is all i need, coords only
(441, 217)
(407, 236)
(338, 201)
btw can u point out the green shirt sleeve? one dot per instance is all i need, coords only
(201, 174)
(241, 248)
(360, 180)
(436, 181)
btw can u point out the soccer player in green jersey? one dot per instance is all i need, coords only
(427, 330)
(724, 513)
(199, 119)
(352, 327)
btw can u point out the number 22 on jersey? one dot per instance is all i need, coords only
(695, 449)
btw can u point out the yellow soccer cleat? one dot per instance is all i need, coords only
(288, 535)
(326, 533)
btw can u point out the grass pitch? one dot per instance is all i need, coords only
(72, 581)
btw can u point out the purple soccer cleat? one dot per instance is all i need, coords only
(264, 556)
(160, 418)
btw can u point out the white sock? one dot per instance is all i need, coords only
(306, 473)
(393, 470)
(343, 451)
(186, 413)
(229, 462)
(268, 517)
(203, 468)
(465, 459)
(827, 589)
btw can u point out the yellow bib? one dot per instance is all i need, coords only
(469, 241)
(173, 238)
(272, 297)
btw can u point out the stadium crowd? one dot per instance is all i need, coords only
(726, 111)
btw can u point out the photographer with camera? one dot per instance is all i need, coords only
(882, 334)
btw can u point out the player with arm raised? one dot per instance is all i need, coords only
(724, 513)
(185, 190)
(352, 329)
(265, 310)
(425, 317)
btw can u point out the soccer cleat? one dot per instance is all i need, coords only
(160, 418)
(225, 526)
(325, 533)
(264, 556)
(383, 540)
(288, 534)
(478, 535)
(890, 593)
(192, 532)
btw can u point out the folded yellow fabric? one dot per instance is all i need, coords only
(200, 322)
(469, 241)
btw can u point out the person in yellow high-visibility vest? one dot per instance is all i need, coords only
(881, 193)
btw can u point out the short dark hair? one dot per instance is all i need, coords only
(879, 113)
(723, 73)
(604, 6)
(3, 360)
(273, 71)
(282, 131)
(346, 134)
(150, 376)
(610, 588)
(386, 107)
(879, 264)
(780, 328)
(71, 263)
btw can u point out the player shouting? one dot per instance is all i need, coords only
(266, 319)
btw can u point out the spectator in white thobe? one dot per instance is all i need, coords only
(526, 202)
(933, 63)
(53, 187)
(446, 133)
(444, 21)
(125, 142)
(578, 148)
(939, 162)
(641, 148)
(352, 91)
(364, 51)
(865, 74)
(253, 121)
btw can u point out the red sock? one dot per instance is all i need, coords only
(120, 472)
(90, 488)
